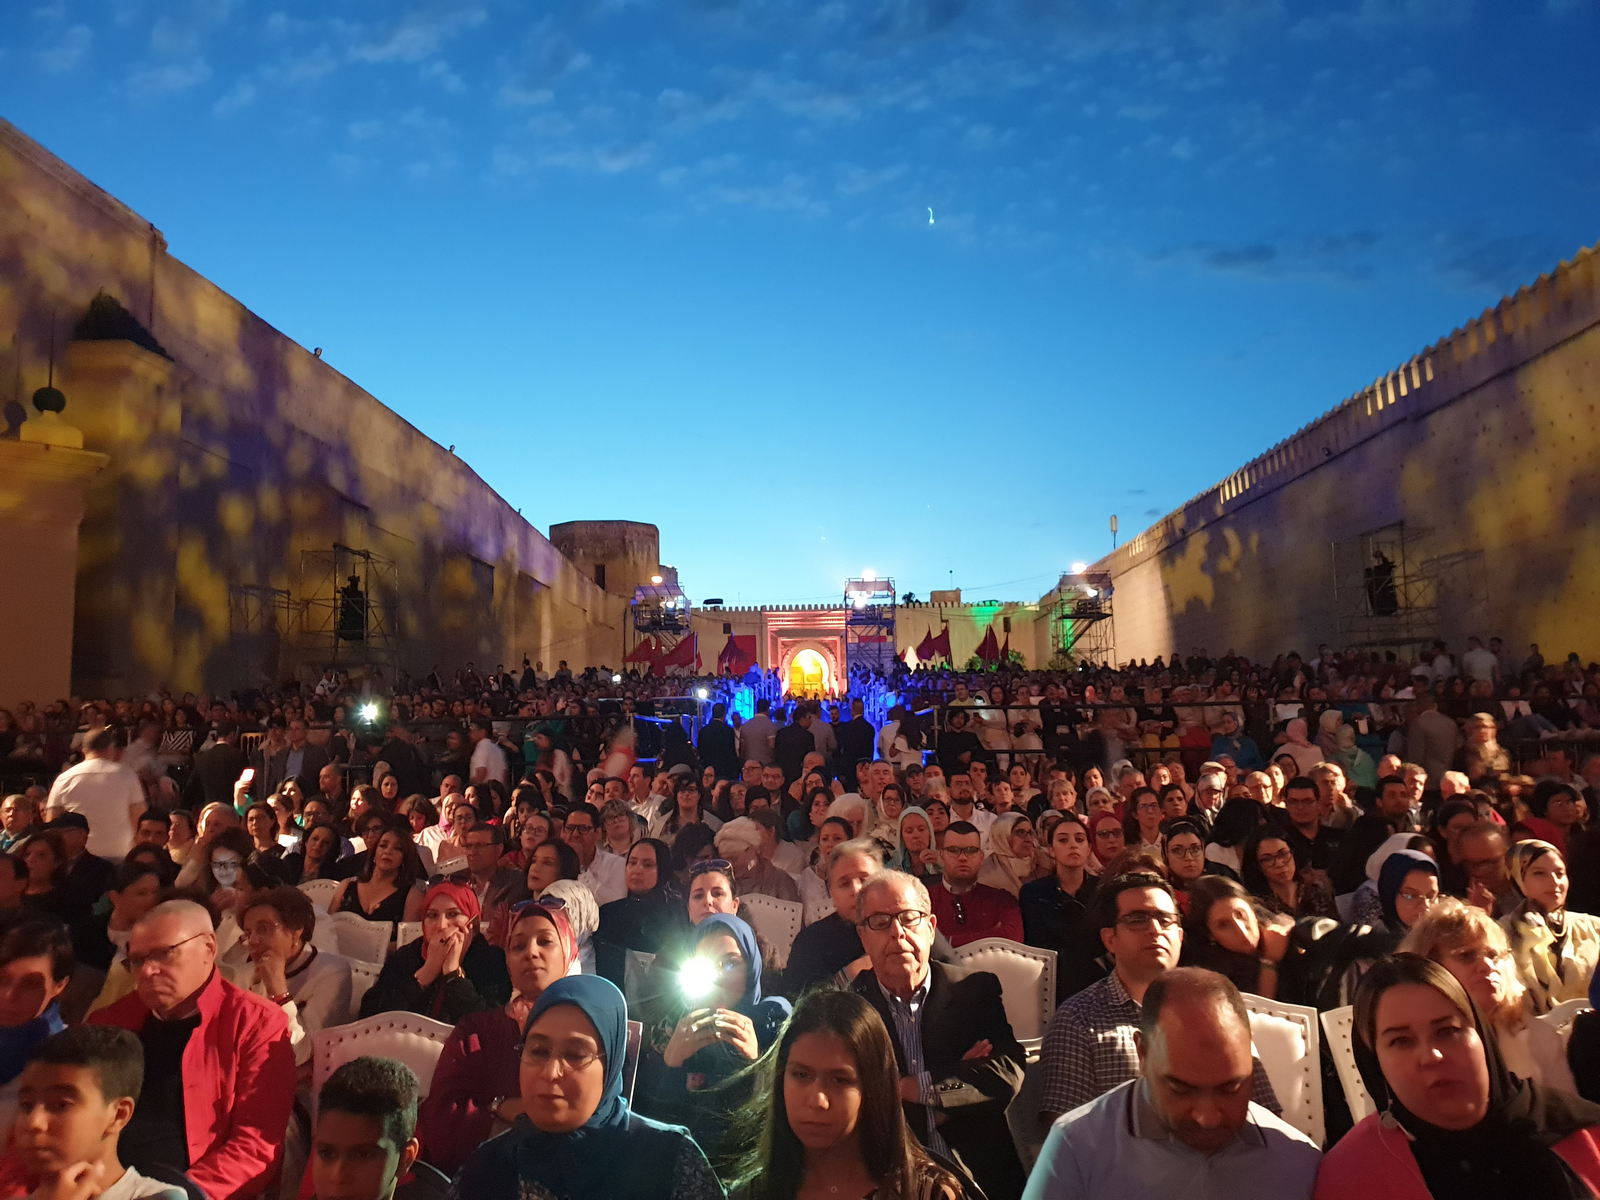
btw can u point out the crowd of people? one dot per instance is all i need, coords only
(564, 867)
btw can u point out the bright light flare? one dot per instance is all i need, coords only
(697, 978)
(369, 712)
(1078, 568)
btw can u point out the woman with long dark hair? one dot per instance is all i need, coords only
(830, 1114)
(1452, 1121)
(386, 888)
(1273, 873)
(647, 919)
(1227, 931)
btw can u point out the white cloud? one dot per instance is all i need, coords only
(68, 52)
(417, 36)
(240, 96)
(168, 79)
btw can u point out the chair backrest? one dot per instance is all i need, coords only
(1339, 1026)
(361, 939)
(1346, 906)
(776, 921)
(1561, 1017)
(407, 931)
(321, 892)
(406, 1037)
(450, 866)
(1027, 982)
(362, 976)
(1290, 1049)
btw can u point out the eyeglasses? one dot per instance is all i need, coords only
(1108, 834)
(964, 851)
(1186, 851)
(162, 956)
(1145, 918)
(721, 865)
(1470, 956)
(1276, 860)
(909, 919)
(548, 903)
(539, 1055)
(1419, 898)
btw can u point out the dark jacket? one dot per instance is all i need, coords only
(964, 1007)
(717, 750)
(483, 983)
(790, 747)
(856, 739)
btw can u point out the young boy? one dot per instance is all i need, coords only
(73, 1099)
(365, 1138)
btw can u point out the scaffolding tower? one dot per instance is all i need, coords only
(1081, 623)
(1391, 593)
(347, 617)
(659, 623)
(869, 624)
(259, 618)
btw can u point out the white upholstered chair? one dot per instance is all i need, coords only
(1027, 982)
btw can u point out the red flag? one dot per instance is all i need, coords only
(738, 656)
(1005, 650)
(925, 647)
(989, 648)
(644, 652)
(684, 654)
(939, 647)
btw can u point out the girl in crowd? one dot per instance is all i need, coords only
(47, 892)
(1553, 815)
(135, 887)
(1272, 873)
(1013, 858)
(450, 971)
(287, 833)
(831, 1121)
(419, 813)
(619, 829)
(1452, 1120)
(180, 834)
(576, 1135)
(1555, 950)
(729, 1024)
(1142, 829)
(550, 861)
(939, 817)
(1225, 932)
(684, 810)
(262, 826)
(1106, 838)
(385, 890)
(318, 856)
(1470, 944)
(1365, 907)
(29, 1009)
(276, 926)
(918, 855)
(1408, 886)
(647, 919)
(533, 831)
(813, 880)
(475, 1093)
(1236, 820)
(1185, 857)
(1055, 906)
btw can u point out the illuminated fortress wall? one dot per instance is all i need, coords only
(1484, 447)
(233, 452)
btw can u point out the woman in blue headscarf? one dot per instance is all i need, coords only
(1408, 886)
(729, 1024)
(577, 1138)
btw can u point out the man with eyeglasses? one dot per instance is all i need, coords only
(1314, 843)
(603, 873)
(1370, 830)
(219, 1068)
(968, 910)
(960, 1064)
(1091, 1045)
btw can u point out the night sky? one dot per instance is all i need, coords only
(673, 261)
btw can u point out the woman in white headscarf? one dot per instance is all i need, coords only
(583, 914)
(1013, 858)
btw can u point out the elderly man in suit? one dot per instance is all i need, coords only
(297, 758)
(960, 1064)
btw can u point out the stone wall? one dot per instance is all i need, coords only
(1482, 449)
(234, 452)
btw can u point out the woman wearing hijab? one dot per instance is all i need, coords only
(1408, 886)
(474, 1093)
(1555, 950)
(647, 919)
(729, 1024)
(576, 1138)
(1106, 839)
(450, 971)
(1452, 1122)
(1013, 854)
(919, 851)
(1365, 906)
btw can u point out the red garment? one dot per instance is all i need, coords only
(1544, 830)
(1369, 1152)
(479, 1064)
(238, 1086)
(988, 912)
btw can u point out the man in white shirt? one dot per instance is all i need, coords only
(964, 808)
(1478, 663)
(107, 793)
(604, 873)
(488, 760)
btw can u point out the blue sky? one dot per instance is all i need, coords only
(671, 261)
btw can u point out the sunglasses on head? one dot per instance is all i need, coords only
(711, 864)
(548, 903)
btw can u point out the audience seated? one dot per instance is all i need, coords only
(35, 967)
(966, 909)
(364, 1142)
(311, 985)
(219, 1067)
(1186, 1117)
(1555, 950)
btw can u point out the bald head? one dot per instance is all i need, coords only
(173, 953)
(185, 917)
(1194, 1044)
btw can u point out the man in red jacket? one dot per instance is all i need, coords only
(219, 1069)
(968, 910)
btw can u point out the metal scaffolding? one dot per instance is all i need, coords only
(869, 624)
(1081, 623)
(259, 618)
(347, 617)
(1391, 593)
(659, 622)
